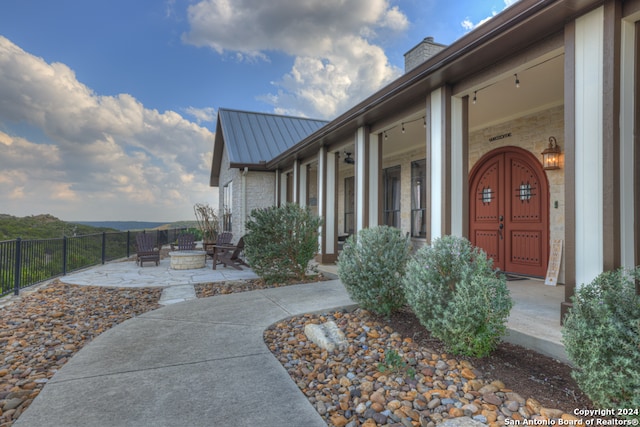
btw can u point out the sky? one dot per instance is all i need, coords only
(108, 108)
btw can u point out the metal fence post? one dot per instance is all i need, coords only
(128, 243)
(64, 255)
(104, 246)
(17, 270)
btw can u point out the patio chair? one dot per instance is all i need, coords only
(222, 243)
(146, 250)
(230, 255)
(185, 242)
(224, 238)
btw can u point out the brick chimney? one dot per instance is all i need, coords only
(420, 53)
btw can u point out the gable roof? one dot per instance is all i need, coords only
(253, 139)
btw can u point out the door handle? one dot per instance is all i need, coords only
(500, 227)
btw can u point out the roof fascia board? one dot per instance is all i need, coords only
(216, 161)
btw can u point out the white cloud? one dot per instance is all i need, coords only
(336, 63)
(105, 154)
(468, 24)
(207, 114)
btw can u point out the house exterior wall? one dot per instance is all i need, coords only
(258, 191)
(531, 133)
(404, 161)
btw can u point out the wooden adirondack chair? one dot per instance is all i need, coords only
(230, 255)
(146, 250)
(185, 242)
(222, 244)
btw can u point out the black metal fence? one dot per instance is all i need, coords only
(27, 262)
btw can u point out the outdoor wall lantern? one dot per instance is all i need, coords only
(349, 160)
(551, 155)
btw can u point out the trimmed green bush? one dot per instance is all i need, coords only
(280, 242)
(371, 266)
(601, 335)
(454, 292)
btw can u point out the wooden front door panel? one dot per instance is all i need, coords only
(487, 206)
(509, 211)
(527, 216)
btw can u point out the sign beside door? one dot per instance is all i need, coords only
(554, 263)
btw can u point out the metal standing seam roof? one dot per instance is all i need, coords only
(252, 138)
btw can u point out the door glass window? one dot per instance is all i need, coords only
(525, 192)
(487, 195)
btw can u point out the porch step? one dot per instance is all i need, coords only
(177, 293)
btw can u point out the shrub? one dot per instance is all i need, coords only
(601, 335)
(280, 242)
(371, 266)
(454, 292)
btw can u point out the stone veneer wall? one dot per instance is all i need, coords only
(532, 133)
(260, 193)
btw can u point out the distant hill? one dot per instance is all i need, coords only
(42, 227)
(122, 225)
(138, 225)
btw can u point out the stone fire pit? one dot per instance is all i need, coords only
(187, 260)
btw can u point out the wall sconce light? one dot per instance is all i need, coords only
(551, 155)
(349, 160)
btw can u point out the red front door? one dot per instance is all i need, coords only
(509, 211)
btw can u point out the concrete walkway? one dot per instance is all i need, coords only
(201, 362)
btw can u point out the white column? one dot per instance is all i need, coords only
(627, 154)
(362, 178)
(589, 57)
(459, 171)
(296, 181)
(276, 190)
(284, 179)
(375, 165)
(327, 205)
(322, 189)
(330, 223)
(436, 164)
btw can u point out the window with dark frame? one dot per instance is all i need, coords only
(289, 178)
(227, 198)
(349, 205)
(392, 196)
(418, 199)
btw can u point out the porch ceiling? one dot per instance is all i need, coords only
(541, 86)
(499, 101)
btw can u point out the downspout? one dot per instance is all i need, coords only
(243, 205)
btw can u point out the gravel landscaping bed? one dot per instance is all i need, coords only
(356, 386)
(41, 330)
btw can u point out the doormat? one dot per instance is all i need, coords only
(511, 277)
